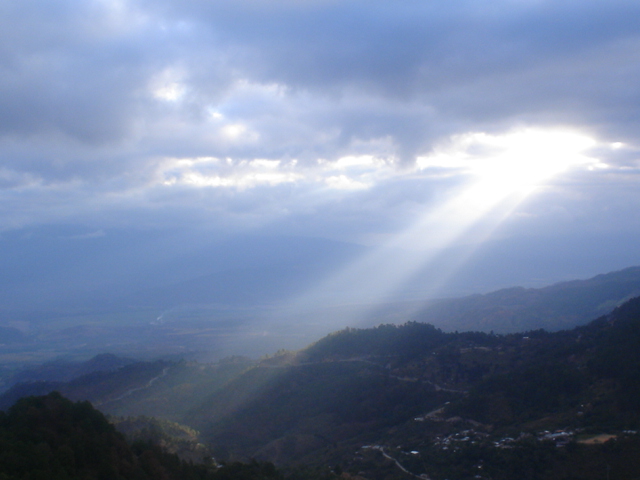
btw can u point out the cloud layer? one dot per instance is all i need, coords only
(316, 117)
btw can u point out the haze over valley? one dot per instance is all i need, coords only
(265, 174)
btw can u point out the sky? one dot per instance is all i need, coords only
(409, 127)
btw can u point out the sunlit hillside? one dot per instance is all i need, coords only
(398, 401)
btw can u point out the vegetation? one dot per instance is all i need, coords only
(53, 438)
(396, 402)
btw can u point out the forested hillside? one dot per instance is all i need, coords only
(413, 388)
(399, 401)
(52, 438)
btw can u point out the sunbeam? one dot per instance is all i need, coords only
(502, 171)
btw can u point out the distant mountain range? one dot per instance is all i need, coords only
(199, 330)
(556, 307)
(65, 268)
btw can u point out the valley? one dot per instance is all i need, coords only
(150, 329)
(394, 401)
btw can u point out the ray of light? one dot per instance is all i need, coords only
(505, 169)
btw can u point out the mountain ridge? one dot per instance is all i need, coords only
(400, 401)
(365, 399)
(554, 307)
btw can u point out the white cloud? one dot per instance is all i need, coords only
(358, 161)
(236, 132)
(212, 172)
(169, 85)
(342, 182)
(265, 163)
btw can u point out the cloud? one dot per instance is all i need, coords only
(313, 115)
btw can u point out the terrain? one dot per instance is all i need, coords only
(52, 438)
(209, 331)
(555, 307)
(400, 402)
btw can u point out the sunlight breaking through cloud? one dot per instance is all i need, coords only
(513, 163)
(349, 173)
(502, 170)
(213, 172)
